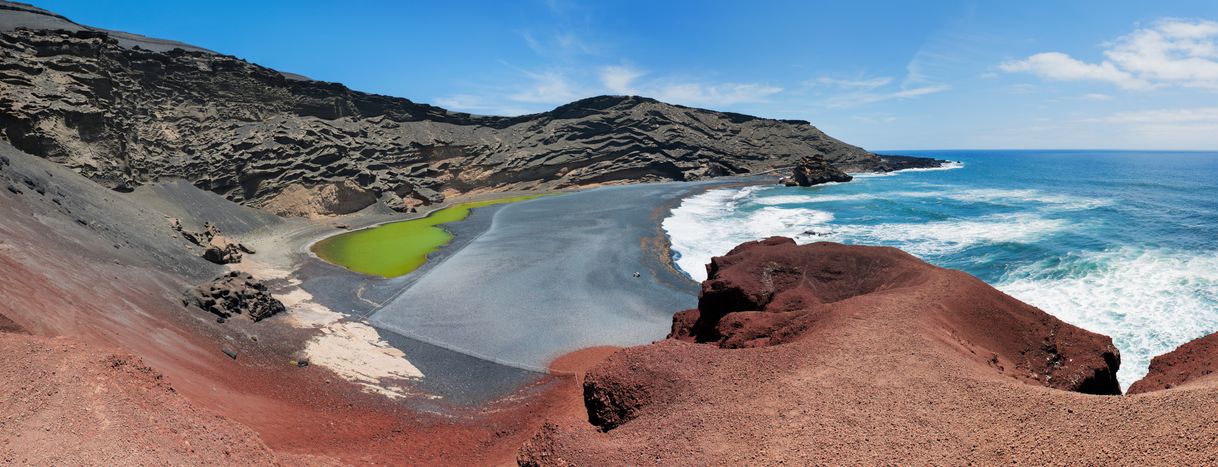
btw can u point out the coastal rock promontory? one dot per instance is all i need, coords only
(815, 170)
(798, 353)
(1193, 362)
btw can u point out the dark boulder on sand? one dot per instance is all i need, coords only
(234, 293)
(1193, 362)
(815, 170)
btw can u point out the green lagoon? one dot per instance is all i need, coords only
(394, 249)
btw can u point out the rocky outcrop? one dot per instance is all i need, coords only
(343, 197)
(1192, 362)
(124, 115)
(234, 293)
(774, 292)
(890, 163)
(815, 171)
(828, 353)
(216, 248)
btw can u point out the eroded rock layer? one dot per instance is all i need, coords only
(125, 115)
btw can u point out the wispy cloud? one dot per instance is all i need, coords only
(1201, 115)
(620, 79)
(864, 83)
(861, 98)
(540, 90)
(1191, 128)
(547, 87)
(724, 94)
(1173, 52)
(1061, 67)
(1095, 96)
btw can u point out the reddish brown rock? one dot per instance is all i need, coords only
(833, 354)
(1195, 361)
(771, 291)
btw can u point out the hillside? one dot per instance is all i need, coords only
(125, 110)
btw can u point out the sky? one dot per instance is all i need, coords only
(879, 74)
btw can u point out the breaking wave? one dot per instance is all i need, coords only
(1148, 301)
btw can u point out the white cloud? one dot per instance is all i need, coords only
(1058, 66)
(700, 94)
(860, 98)
(866, 83)
(620, 78)
(1204, 115)
(1186, 128)
(547, 87)
(1173, 52)
(1095, 96)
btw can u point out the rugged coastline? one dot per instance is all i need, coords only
(872, 356)
(551, 331)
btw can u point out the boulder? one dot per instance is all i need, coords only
(814, 170)
(234, 293)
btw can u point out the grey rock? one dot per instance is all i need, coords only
(232, 294)
(125, 116)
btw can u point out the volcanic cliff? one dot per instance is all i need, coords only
(125, 110)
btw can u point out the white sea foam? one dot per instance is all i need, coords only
(708, 225)
(802, 199)
(1149, 302)
(950, 165)
(943, 237)
(1049, 201)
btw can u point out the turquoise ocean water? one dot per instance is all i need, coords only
(1120, 243)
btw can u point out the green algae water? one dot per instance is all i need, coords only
(394, 249)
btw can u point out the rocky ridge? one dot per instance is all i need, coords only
(127, 113)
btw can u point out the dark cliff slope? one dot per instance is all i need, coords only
(126, 110)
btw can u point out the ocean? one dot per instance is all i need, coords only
(1123, 243)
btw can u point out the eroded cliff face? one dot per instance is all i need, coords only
(126, 113)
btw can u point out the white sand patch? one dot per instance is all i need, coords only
(260, 270)
(307, 313)
(355, 352)
(350, 349)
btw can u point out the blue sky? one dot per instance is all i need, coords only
(883, 75)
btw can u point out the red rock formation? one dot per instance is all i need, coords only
(771, 291)
(1196, 360)
(827, 353)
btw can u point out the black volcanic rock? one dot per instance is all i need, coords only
(232, 294)
(126, 113)
(815, 170)
(890, 163)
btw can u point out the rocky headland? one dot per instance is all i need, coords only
(823, 352)
(123, 158)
